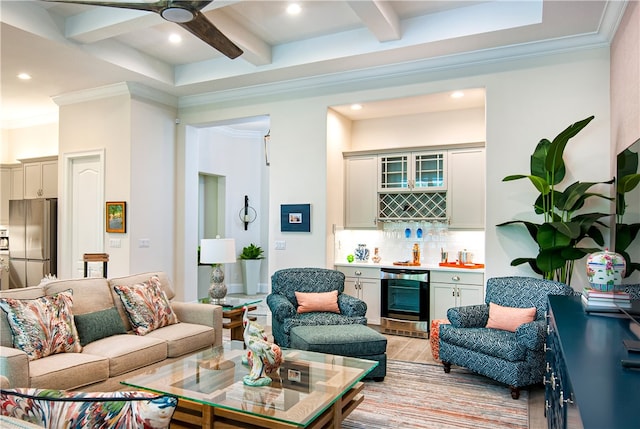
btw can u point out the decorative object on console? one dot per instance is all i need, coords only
(605, 270)
(558, 240)
(362, 253)
(263, 357)
(217, 251)
(376, 256)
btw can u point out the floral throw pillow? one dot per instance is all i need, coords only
(88, 410)
(146, 305)
(43, 326)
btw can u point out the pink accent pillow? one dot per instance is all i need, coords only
(509, 318)
(317, 301)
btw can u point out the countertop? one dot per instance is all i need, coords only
(425, 267)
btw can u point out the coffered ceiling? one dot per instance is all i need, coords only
(71, 47)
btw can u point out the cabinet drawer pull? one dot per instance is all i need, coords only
(358, 273)
(455, 278)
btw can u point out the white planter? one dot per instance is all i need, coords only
(251, 275)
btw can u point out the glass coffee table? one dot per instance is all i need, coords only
(309, 390)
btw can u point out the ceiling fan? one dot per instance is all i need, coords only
(184, 13)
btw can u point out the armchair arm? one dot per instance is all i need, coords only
(532, 335)
(351, 306)
(14, 365)
(281, 308)
(470, 316)
(200, 314)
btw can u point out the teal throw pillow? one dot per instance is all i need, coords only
(99, 324)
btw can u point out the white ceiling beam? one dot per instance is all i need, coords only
(379, 17)
(256, 50)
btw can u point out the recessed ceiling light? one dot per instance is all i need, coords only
(294, 9)
(24, 76)
(457, 94)
(175, 38)
(356, 106)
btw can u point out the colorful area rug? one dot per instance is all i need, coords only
(422, 396)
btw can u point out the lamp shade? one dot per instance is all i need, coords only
(217, 250)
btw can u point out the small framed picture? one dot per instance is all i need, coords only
(116, 216)
(295, 217)
(295, 375)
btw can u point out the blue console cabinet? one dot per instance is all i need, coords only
(585, 383)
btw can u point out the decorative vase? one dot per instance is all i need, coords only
(605, 270)
(251, 275)
(217, 290)
(362, 253)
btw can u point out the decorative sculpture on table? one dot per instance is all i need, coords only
(263, 356)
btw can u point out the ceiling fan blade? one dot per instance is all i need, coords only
(179, 12)
(204, 29)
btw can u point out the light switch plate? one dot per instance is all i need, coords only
(281, 245)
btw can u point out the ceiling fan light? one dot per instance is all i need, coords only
(177, 14)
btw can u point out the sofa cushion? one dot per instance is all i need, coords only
(146, 305)
(31, 292)
(89, 410)
(99, 324)
(509, 318)
(89, 294)
(128, 352)
(42, 326)
(68, 370)
(317, 301)
(183, 338)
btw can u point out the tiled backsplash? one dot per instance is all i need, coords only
(394, 245)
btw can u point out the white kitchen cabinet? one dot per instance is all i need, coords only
(424, 171)
(361, 198)
(41, 178)
(364, 283)
(466, 193)
(17, 183)
(5, 193)
(454, 289)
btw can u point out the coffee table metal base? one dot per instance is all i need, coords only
(195, 415)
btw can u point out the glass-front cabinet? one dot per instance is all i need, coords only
(412, 171)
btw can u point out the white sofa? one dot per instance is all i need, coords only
(103, 363)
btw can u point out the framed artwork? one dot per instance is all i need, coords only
(116, 216)
(295, 217)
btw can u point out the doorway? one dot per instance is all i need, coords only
(83, 231)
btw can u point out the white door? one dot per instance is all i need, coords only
(86, 218)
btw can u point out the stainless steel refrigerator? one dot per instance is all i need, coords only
(33, 230)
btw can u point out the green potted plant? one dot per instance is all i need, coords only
(628, 179)
(562, 230)
(250, 260)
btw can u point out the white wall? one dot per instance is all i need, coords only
(28, 142)
(526, 100)
(426, 129)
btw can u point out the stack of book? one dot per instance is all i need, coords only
(597, 300)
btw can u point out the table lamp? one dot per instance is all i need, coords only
(217, 251)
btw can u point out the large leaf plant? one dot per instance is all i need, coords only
(563, 229)
(628, 179)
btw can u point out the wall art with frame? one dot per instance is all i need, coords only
(116, 216)
(295, 217)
